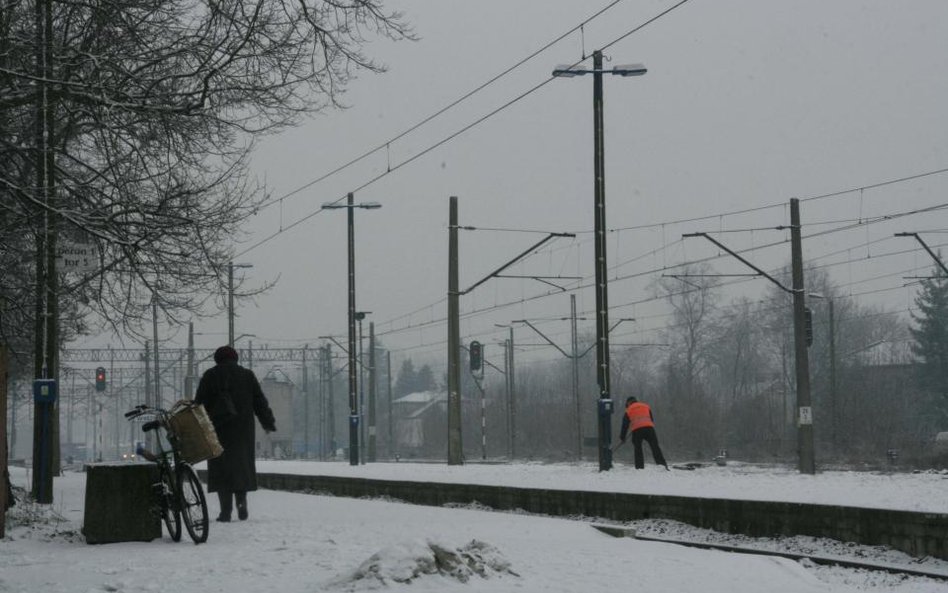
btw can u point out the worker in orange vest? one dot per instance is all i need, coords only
(638, 416)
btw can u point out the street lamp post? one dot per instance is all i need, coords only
(353, 377)
(604, 404)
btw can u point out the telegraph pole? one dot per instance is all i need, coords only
(512, 401)
(807, 462)
(305, 406)
(230, 303)
(189, 376)
(154, 322)
(150, 435)
(362, 440)
(455, 455)
(391, 432)
(46, 328)
(115, 401)
(575, 359)
(330, 403)
(321, 405)
(832, 337)
(507, 394)
(372, 392)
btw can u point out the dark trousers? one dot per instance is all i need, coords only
(648, 435)
(226, 498)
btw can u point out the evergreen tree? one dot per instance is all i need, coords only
(930, 332)
(406, 380)
(410, 380)
(424, 380)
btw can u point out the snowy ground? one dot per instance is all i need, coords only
(306, 543)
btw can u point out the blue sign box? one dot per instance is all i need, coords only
(45, 391)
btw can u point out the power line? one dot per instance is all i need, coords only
(522, 300)
(452, 136)
(444, 109)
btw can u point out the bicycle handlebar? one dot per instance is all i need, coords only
(136, 411)
(143, 409)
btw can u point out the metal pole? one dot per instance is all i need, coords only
(189, 376)
(93, 420)
(331, 403)
(114, 399)
(483, 421)
(372, 392)
(455, 456)
(353, 377)
(507, 389)
(305, 406)
(832, 337)
(70, 410)
(321, 404)
(513, 397)
(604, 407)
(804, 408)
(154, 327)
(150, 435)
(230, 304)
(391, 420)
(575, 359)
(362, 422)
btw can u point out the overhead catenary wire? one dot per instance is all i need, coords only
(386, 144)
(464, 129)
(522, 300)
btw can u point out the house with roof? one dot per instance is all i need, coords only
(420, 421)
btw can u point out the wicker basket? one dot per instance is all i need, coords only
(197, 440)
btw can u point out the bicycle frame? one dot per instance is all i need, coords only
(180, 494)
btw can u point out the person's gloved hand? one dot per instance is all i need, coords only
(270, 428)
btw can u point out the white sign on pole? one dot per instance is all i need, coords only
(76, 257)
(806, 416)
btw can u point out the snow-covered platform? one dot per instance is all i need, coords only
(903, 510)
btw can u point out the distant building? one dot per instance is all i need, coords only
(420, 423)
(279, 391)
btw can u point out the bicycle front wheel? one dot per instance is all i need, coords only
(167, 501)
(193, 504)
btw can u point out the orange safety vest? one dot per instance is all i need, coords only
(640, 415)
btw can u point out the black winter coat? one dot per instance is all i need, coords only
(235, 470)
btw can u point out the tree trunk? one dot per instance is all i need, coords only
(4, 475)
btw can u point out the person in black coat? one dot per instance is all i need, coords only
(232, 397)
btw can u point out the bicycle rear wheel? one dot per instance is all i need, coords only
(193, 504)
(167, 501)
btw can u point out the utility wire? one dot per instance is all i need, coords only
(450, 137)
(522, 300)
(444, 109)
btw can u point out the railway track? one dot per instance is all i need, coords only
(619, 531)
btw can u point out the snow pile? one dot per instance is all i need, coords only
(29, 520)
(408, 561)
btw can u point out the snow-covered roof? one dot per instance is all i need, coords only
(422, 397)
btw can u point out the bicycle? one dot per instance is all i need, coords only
(179, 491)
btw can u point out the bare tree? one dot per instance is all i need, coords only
(692, 297)
(155, 107)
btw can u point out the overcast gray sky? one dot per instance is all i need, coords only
(746, 104)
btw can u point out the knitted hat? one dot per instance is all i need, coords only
(225, 353)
